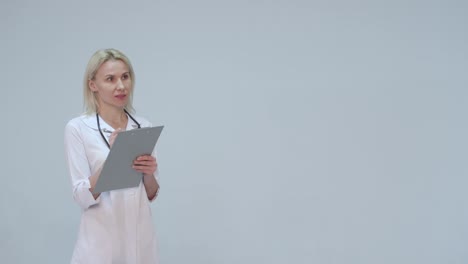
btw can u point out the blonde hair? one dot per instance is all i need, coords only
(100, 57)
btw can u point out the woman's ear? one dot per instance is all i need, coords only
(92, 86)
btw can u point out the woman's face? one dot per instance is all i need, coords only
(112, 84)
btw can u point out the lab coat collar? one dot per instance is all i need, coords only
(90, 121)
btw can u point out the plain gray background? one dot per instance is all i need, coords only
(296, 131)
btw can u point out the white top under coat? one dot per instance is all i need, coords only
(116, 227)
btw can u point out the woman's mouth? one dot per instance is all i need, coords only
(121, 96)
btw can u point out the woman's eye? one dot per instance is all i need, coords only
(125, 77)
(109, 78)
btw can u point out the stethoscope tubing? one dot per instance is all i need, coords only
(100, 131)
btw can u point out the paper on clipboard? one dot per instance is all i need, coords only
(117, 172)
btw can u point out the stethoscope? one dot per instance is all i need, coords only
(100, 131)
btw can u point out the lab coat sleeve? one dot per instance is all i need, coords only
(156, 176)
(78, 167)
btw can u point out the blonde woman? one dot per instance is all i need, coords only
(116, 226)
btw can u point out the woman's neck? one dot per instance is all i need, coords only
(116, 118)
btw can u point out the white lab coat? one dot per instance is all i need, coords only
(117, 227)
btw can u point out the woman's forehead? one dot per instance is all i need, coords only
(113, 67)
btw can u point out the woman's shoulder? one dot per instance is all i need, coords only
(79, 121)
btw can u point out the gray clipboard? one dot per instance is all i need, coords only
(117, 172)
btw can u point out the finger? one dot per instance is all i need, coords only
(145, 157)
(143, 169)
(115, 132)
(145, 163)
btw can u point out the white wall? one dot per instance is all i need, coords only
(296, 131)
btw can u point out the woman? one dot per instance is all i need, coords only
(116, 226)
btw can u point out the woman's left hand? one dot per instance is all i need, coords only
(145, 164)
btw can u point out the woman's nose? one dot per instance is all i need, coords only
(120, 85)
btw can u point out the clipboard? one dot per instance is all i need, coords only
(117, 172)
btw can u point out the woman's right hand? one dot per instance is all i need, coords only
(113, 136)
